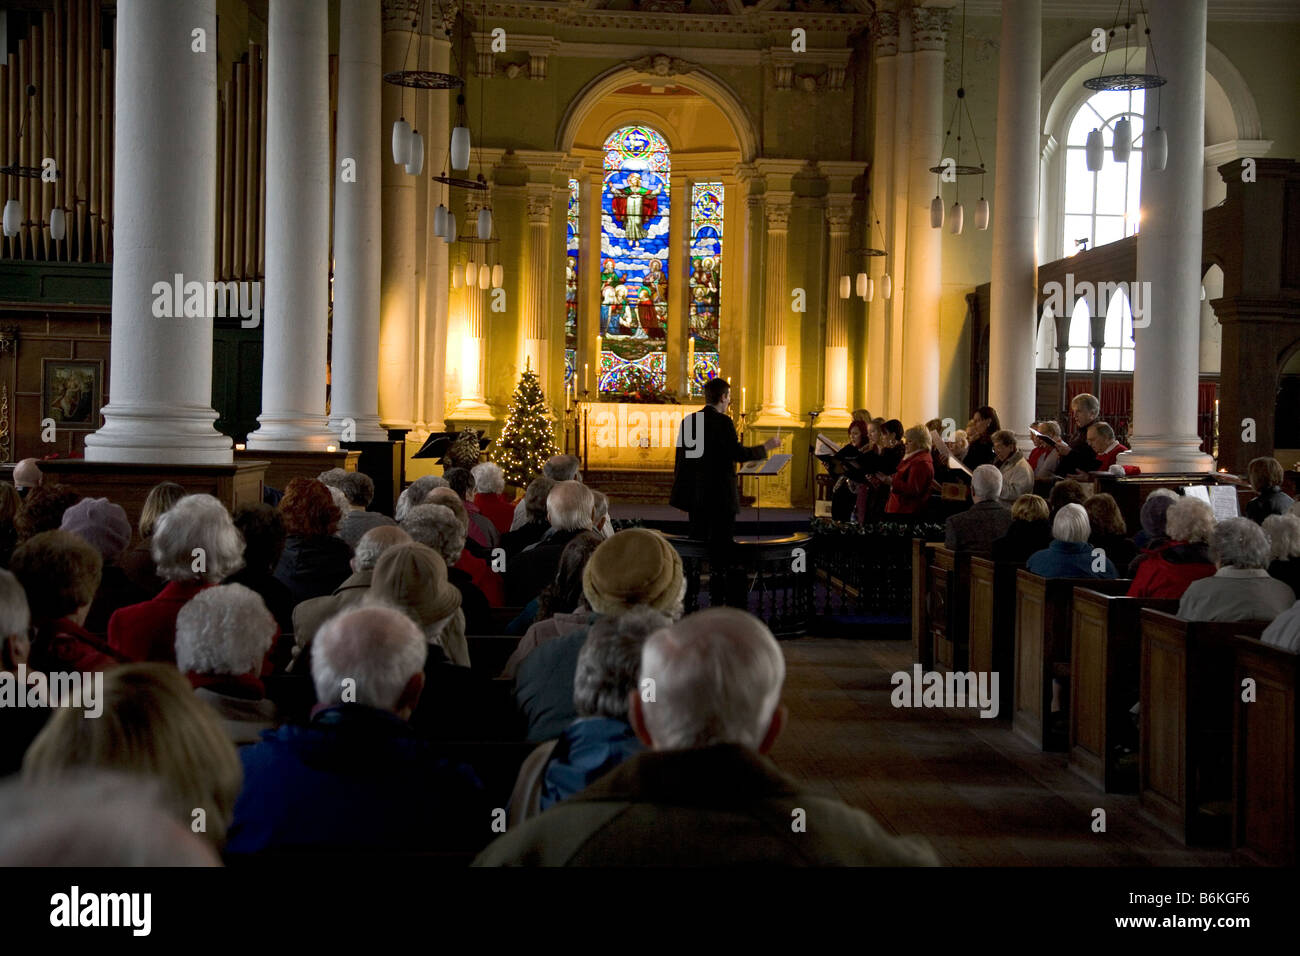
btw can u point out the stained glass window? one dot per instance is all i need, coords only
(571, 286)
(634, 264)
(706, 275)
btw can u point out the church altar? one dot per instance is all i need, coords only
(626, 435)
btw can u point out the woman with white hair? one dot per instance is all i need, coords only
(1070, 555)
(1283, 533)
(490, 496)
(195, 546)
(223, 636)
(415, 493)
(444, 530)
(1183, 557)
(1241, 589)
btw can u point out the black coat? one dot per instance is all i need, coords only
(533, 568)
(1081, 457)
(313, 566)
(522, 537)
(704, 474)
(1270, 501)
(1022, 539)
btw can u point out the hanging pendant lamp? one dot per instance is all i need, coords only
(58, 224)
(471, 273)
(415, 159)
(498, 276)
(1094, 151)
(1121, 143)
(1156, 149)
(863, 279)
(982, 214)
(450, 235)
(456, 277)
(484, 276)
(484, 225)
(871, 289)
(440, 221)
(958, 218)
(886, 286)
(460, 147)
(845, 287)
(936, 212)
(401, 141)
(13, 217)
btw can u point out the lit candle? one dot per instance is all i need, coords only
(742, 399)
(586, 377)
(598, 351)
(690, 358)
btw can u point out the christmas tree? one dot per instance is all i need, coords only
(526, 440)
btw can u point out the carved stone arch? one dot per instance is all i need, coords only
(696, 77)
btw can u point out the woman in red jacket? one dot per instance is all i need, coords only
(909, 488)
(1168, 570)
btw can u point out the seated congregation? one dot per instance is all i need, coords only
(327, 679)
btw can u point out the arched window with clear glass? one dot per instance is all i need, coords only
(1103, 206)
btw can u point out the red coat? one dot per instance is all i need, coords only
(63, 646)
(147, 632)
(484, 578)
(1159, 578)
(499, 509)
(910, 491)
(1104, 461)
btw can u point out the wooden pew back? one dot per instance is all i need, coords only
(1043, 618)
(949, 608)
(1105, 658)
(991, 626)
(1265, 736)
(922, 646)
(1185, 730)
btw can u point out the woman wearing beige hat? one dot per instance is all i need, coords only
(413, 579)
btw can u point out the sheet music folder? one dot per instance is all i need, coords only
(770, 466)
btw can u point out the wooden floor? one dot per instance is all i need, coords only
(980, 794)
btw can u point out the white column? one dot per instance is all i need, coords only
(1014, 222)
(297, 230)
(900, 178)
(1163, 436)
(357, 226)
(776, 301)
(885, 32)
(473, 347)
(398, 313)
(164, 183)
(537, 280)
(431, 406)
(835, 405)
(920, 380)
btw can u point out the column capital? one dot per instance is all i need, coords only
(406, 15)
(777, 210)
(541, 197)
(839, 213)
(930, 27)
(884, 31)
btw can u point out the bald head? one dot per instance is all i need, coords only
(379, 649)
(374, 543)
(717, 679)
(562, 468)
(27, 474)
(569, 506)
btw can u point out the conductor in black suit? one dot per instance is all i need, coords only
(704, 478)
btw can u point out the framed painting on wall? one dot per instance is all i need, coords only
(72, 391)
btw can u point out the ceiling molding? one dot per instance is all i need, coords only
(1103, 11)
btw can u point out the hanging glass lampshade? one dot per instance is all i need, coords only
(440, 221)
(401, 141)
(450, 235)
(415, 161)
(1156, 149)
(982, 214)
(460, 147)
(871, 289)
(936, 212)
(471, 272)
(58, 224)
(846, 289)
(1093, 151)
(13, 218)
(862, 285)
(484, 276)
(498, 276)
(1121, 143)
(886, 286)
(485, 223)
(456, 277)
(958, 218)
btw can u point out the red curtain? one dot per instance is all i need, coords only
(1117, 406)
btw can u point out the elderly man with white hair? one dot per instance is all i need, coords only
(557, 468)
(569, 508)
(222, 638)
(27, 475)
(1241, 589)
(357, 490)
(973, 531)
(309, 615)
(707, 707)
(1070, 555)
(357, 777)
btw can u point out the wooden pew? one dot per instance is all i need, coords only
(488, 653)
(1043, 618)
(949, 608)
(1265, 736)
(991, 628)
(1185, 730)
(1105, 658)
(922, 645)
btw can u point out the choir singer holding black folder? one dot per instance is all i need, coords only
(704, 478)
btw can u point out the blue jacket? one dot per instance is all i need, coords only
(1067, 559)
(588, 749)
(355, 778)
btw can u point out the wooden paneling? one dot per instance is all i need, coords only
(1265, 736)
(949, 608)
(992, 625)
(922, 646)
